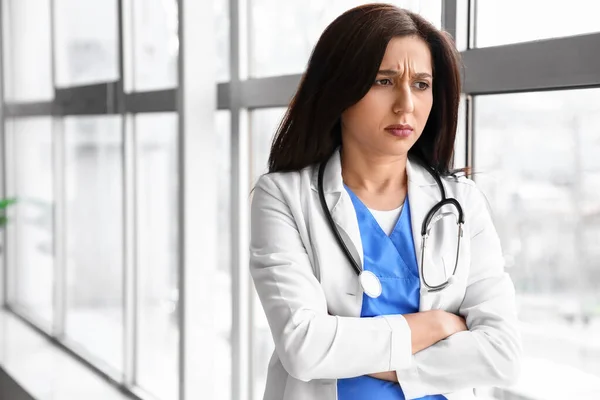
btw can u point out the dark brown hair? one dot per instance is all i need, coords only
(340, 72)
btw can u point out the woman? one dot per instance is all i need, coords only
(357, 155)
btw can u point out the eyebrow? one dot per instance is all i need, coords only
(393, 72)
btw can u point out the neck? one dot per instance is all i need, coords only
(372, 172)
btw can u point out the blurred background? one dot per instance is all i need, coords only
(132, 132)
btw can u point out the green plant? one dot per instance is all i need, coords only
(4, 204)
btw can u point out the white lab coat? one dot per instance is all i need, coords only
(312, 298)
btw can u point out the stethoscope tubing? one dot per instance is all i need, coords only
(424, 234)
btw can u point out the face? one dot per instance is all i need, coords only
(389, 119)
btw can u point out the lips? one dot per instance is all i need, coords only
(400, 130)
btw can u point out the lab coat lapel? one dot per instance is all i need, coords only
(344, 216)
(340, 206)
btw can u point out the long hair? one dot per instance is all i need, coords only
(340, 72)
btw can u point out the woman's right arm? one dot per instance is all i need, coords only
(310, 343)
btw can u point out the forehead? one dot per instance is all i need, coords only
(407, 52)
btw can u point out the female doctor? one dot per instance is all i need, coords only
(380, 272)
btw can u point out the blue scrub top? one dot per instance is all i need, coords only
(393, 260)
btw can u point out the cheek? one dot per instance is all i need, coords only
(375, 103)
(365, 112)
(424, 109)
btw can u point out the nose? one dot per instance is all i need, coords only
(403, 101)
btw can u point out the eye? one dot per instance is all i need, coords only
(422, 85)
(383, 82)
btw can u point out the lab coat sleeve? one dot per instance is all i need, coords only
(489, 353)
(310, 343)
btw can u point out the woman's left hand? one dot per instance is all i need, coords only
(386, 376)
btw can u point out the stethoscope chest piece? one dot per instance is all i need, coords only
(370, 284)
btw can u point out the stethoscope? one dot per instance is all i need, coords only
(368, 280)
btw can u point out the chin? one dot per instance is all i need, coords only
(400, 147)
(395, 151)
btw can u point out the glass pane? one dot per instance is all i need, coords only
(221, 10)
(222, 361)
(86, 40)
(515, 21)
(296, 26)
(537, 162)
(27, 60)
(157, 229)
(29, 142)
(264, 122)
(156, 45)
(461, 37)
(94, 229)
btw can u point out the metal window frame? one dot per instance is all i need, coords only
(197, 205)
(489, 70)
(493, 70)
(229, 97)
(449, 16)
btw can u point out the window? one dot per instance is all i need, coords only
(536, 159)
(82, 171)
(157, 255)
(27, 58)
(31, 220)
(296, 26)
(156, 45)
(223, 42)
(514, 21)
(94, 235)
(264, 123)
(86, 42)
